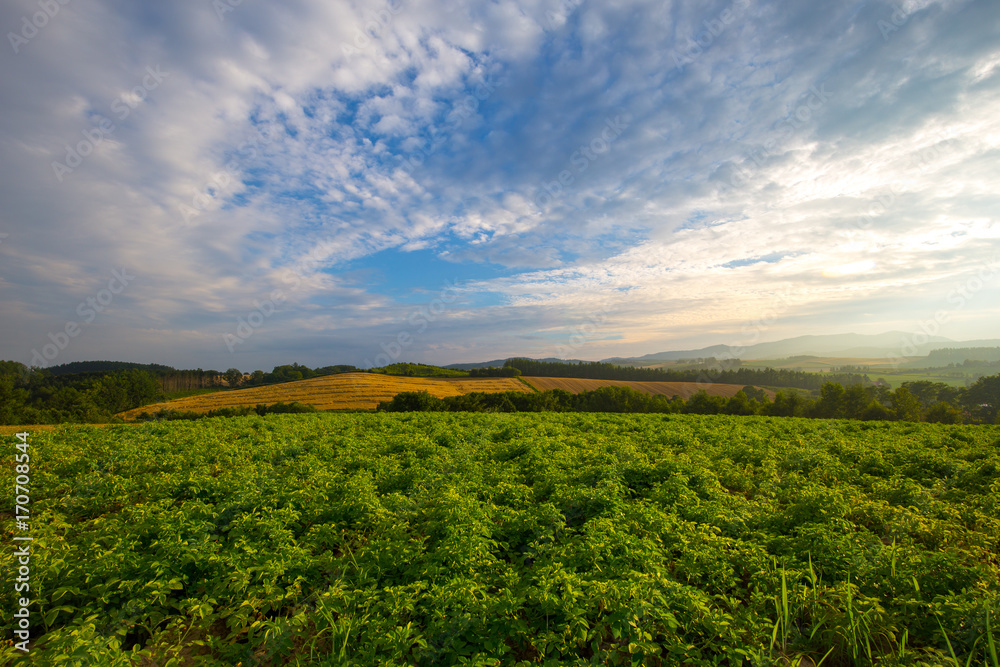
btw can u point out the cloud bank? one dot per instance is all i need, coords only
(306, 182)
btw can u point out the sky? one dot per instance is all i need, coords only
(234, 183)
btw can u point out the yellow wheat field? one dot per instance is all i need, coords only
(669, 389)
(347, 391)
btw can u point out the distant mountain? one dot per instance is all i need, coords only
(896, 343)
(892, 343)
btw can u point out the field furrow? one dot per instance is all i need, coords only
(346, 391)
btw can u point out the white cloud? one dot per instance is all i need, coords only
(732, 181)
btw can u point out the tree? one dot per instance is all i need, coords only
(233, 377)
(877, 412)
(905, 405)
(755, 393)
(703, 404)
(111, 393)
(983, 398)
(143, 387)
(741, 405)
(944, 414)
(929, 393)
(11, 401)
(831, 401)
(412, 401)
(123, 390)
(855, 402)
(788, 405)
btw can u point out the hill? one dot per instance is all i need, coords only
(105, 367)
(832, 345)
(346, 391)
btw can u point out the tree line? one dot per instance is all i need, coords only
(913, 401)
(725, 373)
(39, 397)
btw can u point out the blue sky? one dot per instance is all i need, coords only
(314, 181)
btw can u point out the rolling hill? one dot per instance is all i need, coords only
(347, 391)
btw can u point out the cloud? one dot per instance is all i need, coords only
(642, 154)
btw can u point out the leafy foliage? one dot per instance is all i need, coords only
(513, 539)
(39, 398)
(835, 402)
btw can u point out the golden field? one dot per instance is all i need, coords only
(346, 391)
(669, 389)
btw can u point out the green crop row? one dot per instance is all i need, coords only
(512, 539)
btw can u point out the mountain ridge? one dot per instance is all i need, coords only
(889, 344)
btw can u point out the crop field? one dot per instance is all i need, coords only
(510, 539)
(669, 389)
(895, 372)
(824, 364)
(346, 391)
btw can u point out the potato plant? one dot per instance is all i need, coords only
(520, 539)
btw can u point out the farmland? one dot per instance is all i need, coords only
(823, 364)
(492, 539)
(346, 391)
(895, 371)
(669, 389)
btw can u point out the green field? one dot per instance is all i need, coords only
(961, 375)
(521, 539)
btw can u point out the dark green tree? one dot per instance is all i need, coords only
(982, 399)
(905, 405)
(855, 402)
(831, 401)
(943, 413)
(234, 377)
